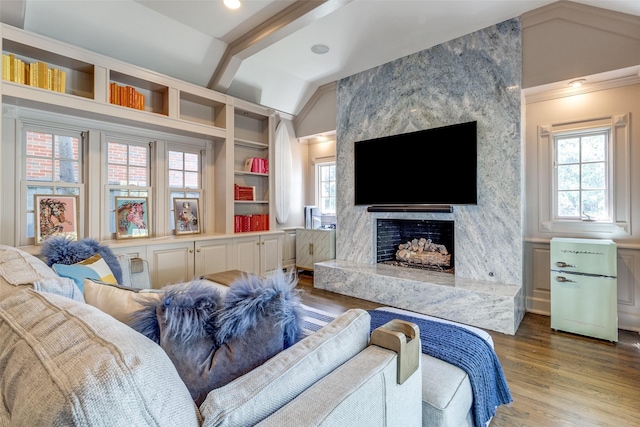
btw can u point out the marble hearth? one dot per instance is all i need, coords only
(494, 306)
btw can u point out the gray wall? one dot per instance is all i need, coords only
(474, 77)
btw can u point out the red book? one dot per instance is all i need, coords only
(255, 166)
(255, 222)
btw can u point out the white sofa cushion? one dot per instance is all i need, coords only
(118, 301)
(63, 362)
(256, 395)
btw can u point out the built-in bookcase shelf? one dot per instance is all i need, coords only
(156, 95)
(238, 129)
(252, 140)
(209, 111)
(79, 74)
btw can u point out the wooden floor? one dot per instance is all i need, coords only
(555, 378)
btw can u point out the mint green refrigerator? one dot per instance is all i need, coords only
(584, 287)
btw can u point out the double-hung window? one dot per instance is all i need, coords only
(327, 188)
(127, 172)
(52, 165)
(185, 178)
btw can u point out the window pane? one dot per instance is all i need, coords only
(39, 169)
(593, 176)
(191, 162)
(66, 171)
(32, 191)
(137, 176)
(175, 160)
(569, 203)
(117, 175)
(191, 180)
(593, 148)
(39, 144)
(137, 156)
(568, 150)
(117, 153)
(569, 177)
(593, 203)
(66, 147)
(175, 179)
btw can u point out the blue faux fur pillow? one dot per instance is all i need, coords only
(60, 250)
(213, 339)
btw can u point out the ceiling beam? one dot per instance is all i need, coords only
(291, 19)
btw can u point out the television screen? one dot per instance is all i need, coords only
(428, 167)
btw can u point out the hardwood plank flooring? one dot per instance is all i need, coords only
(556, 378)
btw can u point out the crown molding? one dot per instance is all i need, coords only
(595, 83)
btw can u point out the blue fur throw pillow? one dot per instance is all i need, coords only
(213, 339)
(60, 250)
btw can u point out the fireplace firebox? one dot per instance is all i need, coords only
(424, 244)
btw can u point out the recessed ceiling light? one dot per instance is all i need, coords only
(577, 83)
(232, 4)
(319, 49)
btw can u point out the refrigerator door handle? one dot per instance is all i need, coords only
(564, 279)
(564, 264)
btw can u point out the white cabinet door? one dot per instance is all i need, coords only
(246, 254)
(289, 249)
(170, 263)
(270, 253)
(214, 256)
(314, 245)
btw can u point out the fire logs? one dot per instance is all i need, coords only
(424, 252)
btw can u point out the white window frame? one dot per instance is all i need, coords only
(619, 174)
(318, 186)
(195, 193)
(24, 184)
(608, 174)
(110, 210)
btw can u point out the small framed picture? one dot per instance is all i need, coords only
(132, 217)
(187, 215)
(55, 216)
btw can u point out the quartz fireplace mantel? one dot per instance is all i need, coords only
(494, 306)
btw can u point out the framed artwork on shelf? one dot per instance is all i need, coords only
(132, 217)
(187, 215)
(55, 216)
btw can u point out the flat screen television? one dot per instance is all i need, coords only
(428, 167)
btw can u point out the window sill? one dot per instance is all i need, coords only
(585, 227)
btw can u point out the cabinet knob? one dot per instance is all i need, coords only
(258, 243)
(190, 251)
(198, 250)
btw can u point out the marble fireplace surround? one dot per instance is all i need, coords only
(475, 77)
(487, 305)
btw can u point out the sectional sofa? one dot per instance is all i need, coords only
(66, 362)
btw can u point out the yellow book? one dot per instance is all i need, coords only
(6, 70)
(12, 67)
(42, 75)
(63, 81)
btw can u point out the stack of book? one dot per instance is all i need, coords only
(244, 193)
(37, 74)
(125, 96)
(255, 222)
(256, 164)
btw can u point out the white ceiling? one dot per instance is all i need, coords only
(187, 39)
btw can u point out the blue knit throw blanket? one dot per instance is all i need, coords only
(466, 350)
